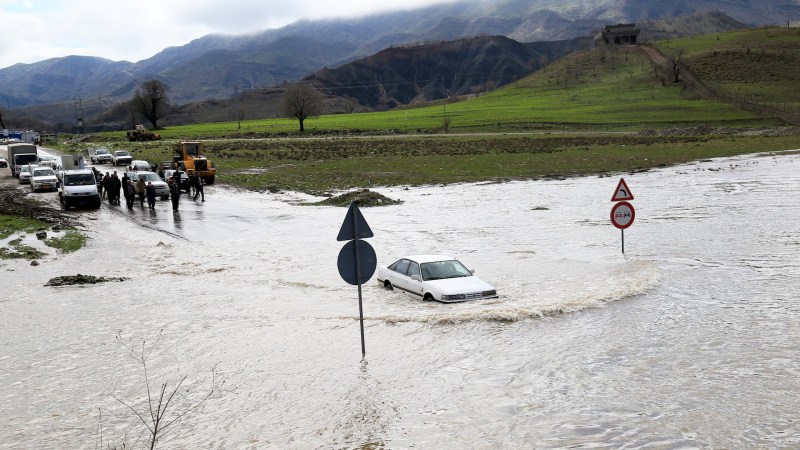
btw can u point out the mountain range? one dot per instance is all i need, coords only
(216, 66)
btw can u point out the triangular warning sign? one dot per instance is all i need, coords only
(622, 192)
(348, 230)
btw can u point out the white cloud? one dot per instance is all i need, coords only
(34, 30)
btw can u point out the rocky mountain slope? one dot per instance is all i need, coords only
(210, 67)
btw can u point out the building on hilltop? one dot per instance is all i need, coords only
(620, 34)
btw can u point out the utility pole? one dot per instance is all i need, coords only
(236, 98)
(83, 124)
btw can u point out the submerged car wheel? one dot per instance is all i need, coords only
(388, 285)
(428, 297)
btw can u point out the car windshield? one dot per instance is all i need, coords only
(25, 169)
(122, 153)
(79, 179)
(149, 177)
(440, 270)
(101, 152)
(43, 172)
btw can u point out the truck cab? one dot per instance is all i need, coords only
(78, 187)
(20, 154)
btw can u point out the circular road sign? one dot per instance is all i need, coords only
(347, 261)
(622, 215)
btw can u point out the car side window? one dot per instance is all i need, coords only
(413, 269)
(402, 266)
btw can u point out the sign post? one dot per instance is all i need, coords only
(622, 213)
(357, 259)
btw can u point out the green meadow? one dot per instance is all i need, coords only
(580, 115)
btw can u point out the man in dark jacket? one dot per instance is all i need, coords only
(175, 190)
(125, 191)
(150, 193)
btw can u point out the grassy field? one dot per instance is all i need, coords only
(596, 89)
(579, 115)
(759, 66)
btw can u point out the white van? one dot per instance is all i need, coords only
(78, 188)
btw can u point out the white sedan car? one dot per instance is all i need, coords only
(162, 190)
(43, 178)
(48, 161)
(435, 277)
(25, 173)
(140, 165)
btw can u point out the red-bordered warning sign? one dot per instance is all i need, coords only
(622, 215)
(622, 192)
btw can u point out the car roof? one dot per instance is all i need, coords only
(429, 258)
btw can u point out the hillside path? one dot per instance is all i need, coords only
(701, 90)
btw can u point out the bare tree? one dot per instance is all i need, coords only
(675, 61)
(301, 101)
(350, 105)
(151, 100)
(154, 412)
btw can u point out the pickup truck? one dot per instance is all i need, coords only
(100, 156)
(121, 158)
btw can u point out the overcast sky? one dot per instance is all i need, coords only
(132, 30)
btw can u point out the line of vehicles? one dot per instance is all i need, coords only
(438, 278)
(77, 185)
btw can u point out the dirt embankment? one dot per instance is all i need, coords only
(16, 201)
(696, 86)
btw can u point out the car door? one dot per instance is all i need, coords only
(400, 274)
(414, 285)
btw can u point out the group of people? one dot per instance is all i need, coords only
(196, 184)
(110, 186)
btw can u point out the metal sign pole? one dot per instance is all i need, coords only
(623, 240)
(358, 280)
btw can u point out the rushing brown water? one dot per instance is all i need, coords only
(688, 340)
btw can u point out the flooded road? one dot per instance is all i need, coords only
(688, 340)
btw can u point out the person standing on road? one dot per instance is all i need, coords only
(198, 188)
(175, 190)
(124, 184)
(193, 183)
(150, 190)
(116, 186)
(140, 190)
(105, 185)
(130, 195)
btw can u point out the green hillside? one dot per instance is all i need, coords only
(600, 88)
(760, 66)
(598, 111)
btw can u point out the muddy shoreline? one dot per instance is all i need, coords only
(15, 201)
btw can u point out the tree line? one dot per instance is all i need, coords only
(300, 101)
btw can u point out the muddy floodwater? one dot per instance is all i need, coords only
(691, 339)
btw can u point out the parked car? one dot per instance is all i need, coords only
(162, 190)
(3, 162)
(121, 158)
(100, 156)
(48, 161)
(25, 172)
(184, 179)
(140, 165)
(435, 277)
(43, 179)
